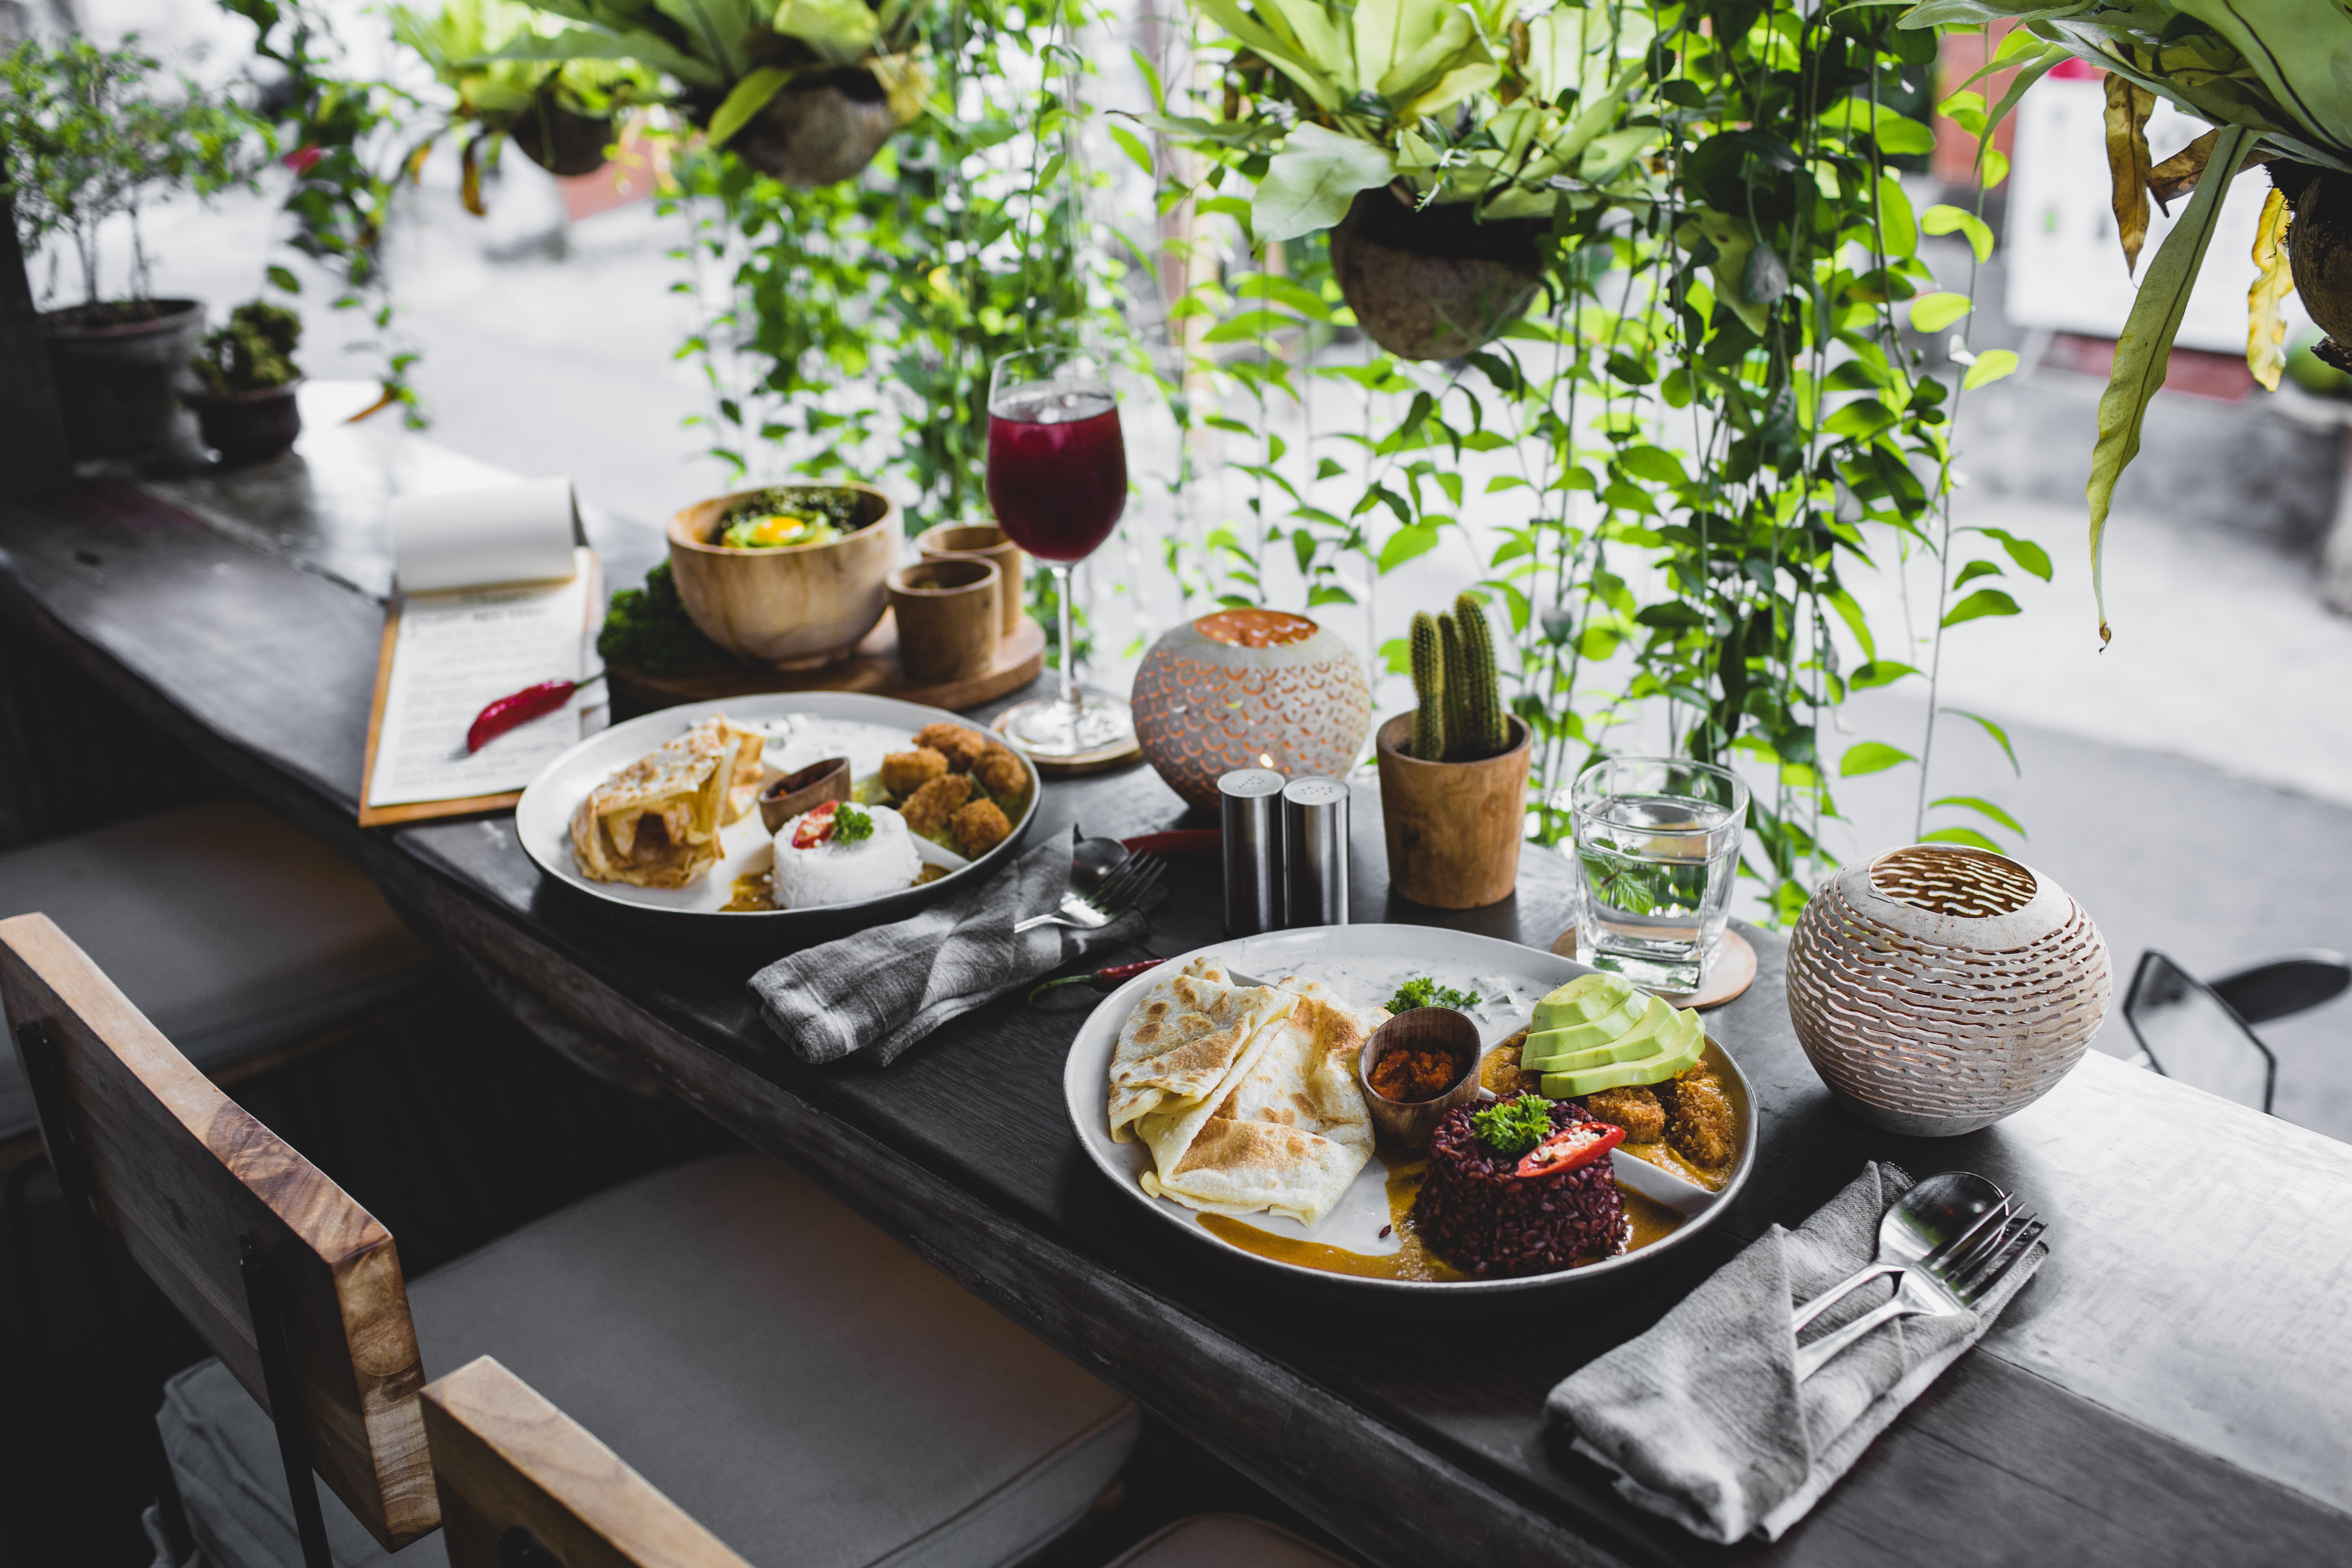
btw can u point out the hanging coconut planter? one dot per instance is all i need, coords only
(1434, 283)
(560, 141)
(2319, 251)
(819, 130)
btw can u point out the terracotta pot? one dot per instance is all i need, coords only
(1453, 828)
(121, 368)
(990, 543)
(819, 131)
(249, 426)
(1432, 284)
(797, 608)
(561, 141)
(2319, 249)
(947, 617)
(1249, 688)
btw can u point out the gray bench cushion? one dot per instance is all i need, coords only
(1226, 1540)
(233, 930)
(808, 1388)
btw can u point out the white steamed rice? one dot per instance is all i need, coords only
(837, 873)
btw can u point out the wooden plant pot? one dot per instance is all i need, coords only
(1453, 828)
(1432, 284)
(821, 132)
(794, 609)
(947, 617)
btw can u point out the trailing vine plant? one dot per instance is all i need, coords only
(1707, 419)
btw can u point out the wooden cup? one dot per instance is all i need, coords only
(1453, 829)
(947, 617)
(951, 540)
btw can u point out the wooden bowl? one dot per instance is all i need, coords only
(1424, 1028)
(947, 617)
(950, 540)
(787, 797)
(794, 609)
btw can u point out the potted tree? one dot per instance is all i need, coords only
(1453, 773)
(246, 409)
(81, 139)
(1435, 139)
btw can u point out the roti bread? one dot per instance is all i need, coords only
(1183, 1040)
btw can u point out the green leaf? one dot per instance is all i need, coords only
(1312, 181)
(1878, 672)
(1132, 145)
(1851, 613)
(2144, 353)
(1967, 835)
(1898, 230)
(1990, 366)
(1871, 757)
(1995, 731)
(1896, 136)
(1406, 542)
(282, 278)
(1983, 601)
(1974, 570)
(1862, 418)
(1979, 804)
(750, 96)
(1655, 464)
(1943, 219)
(2024, 551)
(1934, 312)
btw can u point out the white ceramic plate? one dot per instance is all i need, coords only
(803, 727)
(1365, 964)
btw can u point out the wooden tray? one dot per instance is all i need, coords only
(871, 668)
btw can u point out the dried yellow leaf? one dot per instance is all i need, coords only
(2129, 106)
(2265, 317)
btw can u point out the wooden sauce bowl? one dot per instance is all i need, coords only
(1423, 1029)
(795, 793)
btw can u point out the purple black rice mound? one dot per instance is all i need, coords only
(1482, 1217)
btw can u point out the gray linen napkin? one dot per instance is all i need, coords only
(881, 990)
(1703, 1418)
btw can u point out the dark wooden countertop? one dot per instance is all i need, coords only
(2176, 1386)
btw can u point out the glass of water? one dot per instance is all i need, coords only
(1657, 843)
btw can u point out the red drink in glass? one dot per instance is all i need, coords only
(1056, 471)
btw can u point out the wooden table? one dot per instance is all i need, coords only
(2176, 1386)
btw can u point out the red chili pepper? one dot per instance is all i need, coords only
(1110, 979)
(816, 826)
(1571, 1147)
(521, 708)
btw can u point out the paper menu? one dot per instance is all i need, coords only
(450, 651)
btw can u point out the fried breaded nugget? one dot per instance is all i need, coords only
(960, 746)
(1700, 1121)
(904, 773)
(979, 826)
(1000, 772)
(935, 802)
(1635, 1110)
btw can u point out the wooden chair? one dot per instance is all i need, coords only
(524, 1486)
(791, 1373)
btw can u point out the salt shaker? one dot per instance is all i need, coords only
(1315, 852)
(1249, 799)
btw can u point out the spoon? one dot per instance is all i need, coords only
(1944, 1209)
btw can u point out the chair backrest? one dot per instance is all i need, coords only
(195, 1187)
(2282, 986)
(522, 1485)
(2190, 1034)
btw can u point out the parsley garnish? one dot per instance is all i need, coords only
(1514, 1126)
(850, 826)
(1423, 992)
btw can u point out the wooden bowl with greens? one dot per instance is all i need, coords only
(788, 576)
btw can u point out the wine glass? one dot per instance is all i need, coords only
(1057, 481)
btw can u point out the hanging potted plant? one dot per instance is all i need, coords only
(1453, 772)
(246, 410)
(559, 115)
(81, 139)
(1435, 140)
(808, 92)
(2268, 78)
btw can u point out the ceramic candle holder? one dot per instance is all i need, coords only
(1249, 688)
(947, 617)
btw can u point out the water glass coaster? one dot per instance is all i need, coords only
(1656, 847)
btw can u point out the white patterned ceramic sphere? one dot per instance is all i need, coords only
(1249, 688)
(1939, 989)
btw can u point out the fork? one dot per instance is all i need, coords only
(1134, 879)
(1939, 1289)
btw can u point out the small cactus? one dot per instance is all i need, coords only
(1484, 732)
(1428, 688)
(1450, 638)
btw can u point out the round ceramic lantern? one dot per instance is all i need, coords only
(1939, 989)
(1249, 688)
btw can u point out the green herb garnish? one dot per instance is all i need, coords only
(851, 825)
(1423, 992)
(1514, 1126)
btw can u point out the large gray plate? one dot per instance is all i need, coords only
(1365, 964)
(543, 820)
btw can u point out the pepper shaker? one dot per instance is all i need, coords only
(1248, 799)
(1315, 852)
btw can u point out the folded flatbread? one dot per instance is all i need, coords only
(1183, 1040)
(1287, 1131)
(655, 823)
